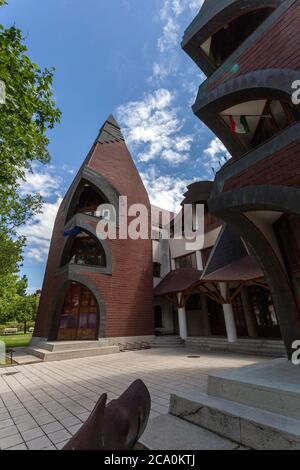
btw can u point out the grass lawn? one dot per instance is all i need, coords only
(16, 341)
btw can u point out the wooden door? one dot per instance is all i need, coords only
(79, 317)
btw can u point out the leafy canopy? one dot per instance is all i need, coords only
(26, 116)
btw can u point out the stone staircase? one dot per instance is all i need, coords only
(247, 346)
(167, 342)
(167, 432)
(255, 407)
(60, 351)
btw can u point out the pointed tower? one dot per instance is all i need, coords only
(98, 289)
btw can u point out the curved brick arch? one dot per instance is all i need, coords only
(110, 193)
(211, 18)
(58, 305)
(80, 220)
(258, 84)
(231, 207)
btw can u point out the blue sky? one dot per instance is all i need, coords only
(121, 57)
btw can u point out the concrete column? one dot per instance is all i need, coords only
(206, 322)
(199, 260)
(229, 316)
(182, 321)
(249, 314)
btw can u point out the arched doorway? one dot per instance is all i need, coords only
(79, 318)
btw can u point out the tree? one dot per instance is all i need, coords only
(9, 297)
(10, 254)
(26, 309)
(26, 116)
(15, 304)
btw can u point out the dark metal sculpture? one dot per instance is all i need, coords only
(117, 426)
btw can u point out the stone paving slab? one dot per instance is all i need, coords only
(42, 405)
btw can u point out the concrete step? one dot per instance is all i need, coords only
(271, 386)
(167, 342)
(48, 356)
(168, 432)
(66, 345)
(248, 426)
(251, 346)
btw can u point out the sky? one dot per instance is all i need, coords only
(121, 57)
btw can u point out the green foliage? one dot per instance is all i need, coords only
(10, 255)
(15, 304)
(26, 116)
(26, 308)
(16, 341)
(29, 112)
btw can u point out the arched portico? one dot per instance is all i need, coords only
(234, 207)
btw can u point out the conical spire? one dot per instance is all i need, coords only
(110, 132)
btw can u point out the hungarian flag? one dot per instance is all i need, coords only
(239, 125)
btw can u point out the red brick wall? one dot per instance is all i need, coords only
(278, 47)
(282, 168)
(128, 293)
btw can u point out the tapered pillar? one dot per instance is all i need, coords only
(228, 316)
(249, 314)
(182, 321)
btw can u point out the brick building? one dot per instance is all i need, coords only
(98, 289)
(249, 51)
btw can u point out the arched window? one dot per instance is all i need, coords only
(85, 250)
(89, 200)
(223, 43)
(79, 317)
(86, 200)
(256, 121)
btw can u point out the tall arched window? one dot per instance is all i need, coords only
(224, 42)
(89, 201)
(254, 122)
(86, 200)
(85, 250)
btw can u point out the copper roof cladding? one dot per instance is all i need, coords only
(178, 281)
(198, 192)
(242, 270)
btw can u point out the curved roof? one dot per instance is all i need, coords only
(178, 281)
(198, 192)
(242, 270)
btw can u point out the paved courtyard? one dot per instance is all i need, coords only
(43, 405)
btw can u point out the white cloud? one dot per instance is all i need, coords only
(215, 154)
(165, 192)
(152, 126)
(44, 183)
(169, 17)
(38, 232)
